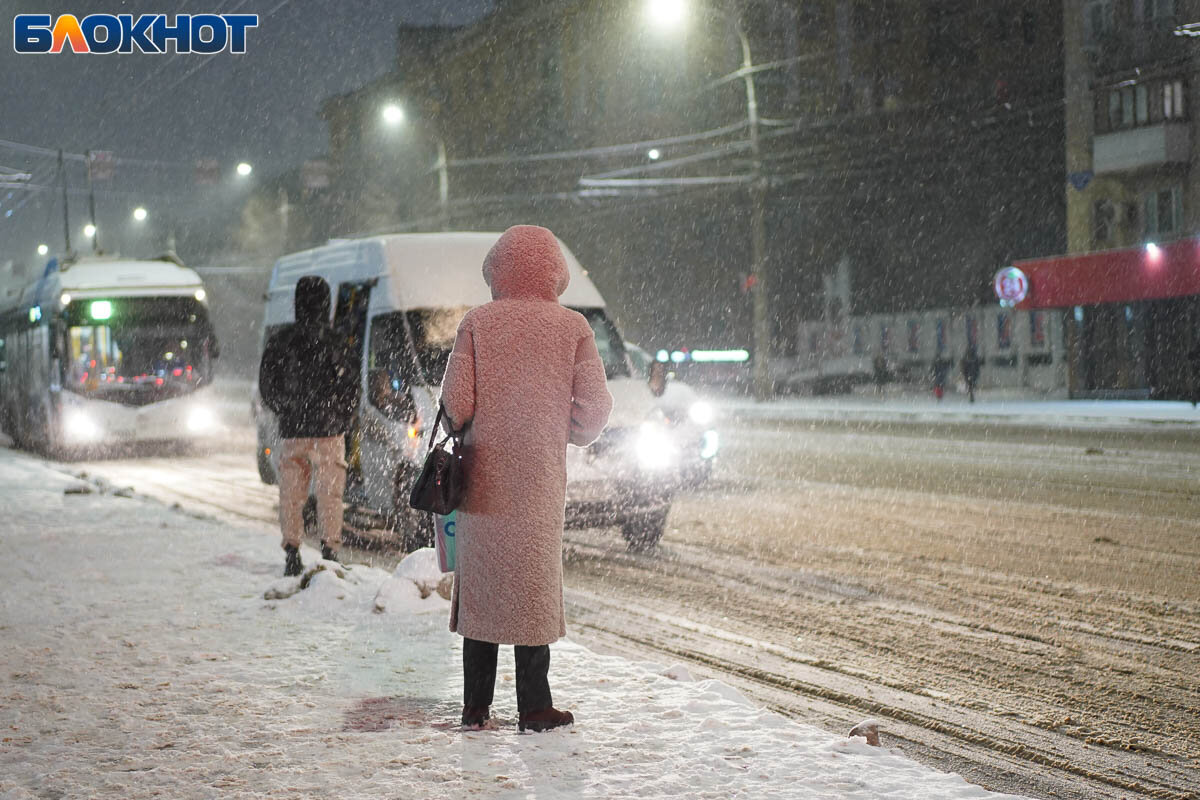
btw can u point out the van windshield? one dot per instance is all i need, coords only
(434, 329)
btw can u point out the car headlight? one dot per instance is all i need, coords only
(709, 444)
(80, 427)
(701, 413)
(201, 420)
(654, 447)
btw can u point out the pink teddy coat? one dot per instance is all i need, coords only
(526, 375)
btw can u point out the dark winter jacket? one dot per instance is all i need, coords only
(305, 376)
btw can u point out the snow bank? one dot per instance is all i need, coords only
(143, 658)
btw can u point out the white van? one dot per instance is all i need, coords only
(398, 300)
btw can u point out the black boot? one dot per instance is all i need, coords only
(293, 566)
(328, 553)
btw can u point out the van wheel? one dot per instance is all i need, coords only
(642, 532)
(413, 528)
(266, 471)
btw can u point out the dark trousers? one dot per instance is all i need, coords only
(479, 675)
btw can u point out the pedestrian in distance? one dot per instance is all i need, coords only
(880, 369)
(306, 379)
(525, 380)
(941, 371)
(970, 371)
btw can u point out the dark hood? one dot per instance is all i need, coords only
(312, 301)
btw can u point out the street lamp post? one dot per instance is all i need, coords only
(393, 115)
(669, 13)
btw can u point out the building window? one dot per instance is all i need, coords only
(1173, 100)
(860, 22)
(1148, 103)
(1159, 14)
(1163, 212)
(1029, 26)
(1104, 221)
(1097, 20)
(811, 20)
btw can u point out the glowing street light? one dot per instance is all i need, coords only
(666, 13)
(139, 214)
(393, 114)
(244, 169)
(655, 154)
(669, 14)
(43, 249)
(89, 230)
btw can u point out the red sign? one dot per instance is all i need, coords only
(101, 165)
(1011, 286)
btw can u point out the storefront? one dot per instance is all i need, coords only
(1132, 316)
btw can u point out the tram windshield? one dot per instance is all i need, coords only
(137, 350)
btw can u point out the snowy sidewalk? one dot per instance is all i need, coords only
(994, 407)
(141, 659)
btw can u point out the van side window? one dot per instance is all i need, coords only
(390, 371)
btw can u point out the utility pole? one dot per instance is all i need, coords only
(763, 388)
(284, 211)
(62, 179)
(92, 205)
(443, 186)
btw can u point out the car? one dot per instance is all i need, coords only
(689, 417)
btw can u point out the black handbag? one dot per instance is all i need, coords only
(440, 486)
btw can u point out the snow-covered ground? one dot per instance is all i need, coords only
(141, 658)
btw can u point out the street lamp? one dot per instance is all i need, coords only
(393, 115)
(139, 214)
(43, 249)
(670, 13)
(666, 13)
(244, 169)
(89, 230)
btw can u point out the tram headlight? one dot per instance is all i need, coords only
(80, 427)
(201, 419)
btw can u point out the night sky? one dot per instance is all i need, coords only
(260, 107)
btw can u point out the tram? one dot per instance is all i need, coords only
(103, 351)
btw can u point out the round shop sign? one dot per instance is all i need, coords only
(1012, 285)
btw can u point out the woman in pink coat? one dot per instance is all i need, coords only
(526, 378)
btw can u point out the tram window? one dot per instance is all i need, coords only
(138, 352)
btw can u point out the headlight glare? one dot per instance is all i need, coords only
(701, 413)
(654, 447)
(201, 420)
(80, 427)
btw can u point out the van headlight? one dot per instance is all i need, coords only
(701, 413)
(80, 427)
(201, 420)
(654, 447)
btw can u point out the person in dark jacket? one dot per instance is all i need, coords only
(941, 371)
(310, 384)
(970, 371)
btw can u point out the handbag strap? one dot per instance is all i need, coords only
(437, 424)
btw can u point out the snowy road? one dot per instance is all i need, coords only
(1019, 605)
